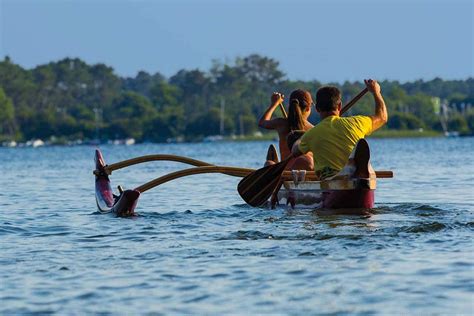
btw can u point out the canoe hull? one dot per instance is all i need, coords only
(122, 205)
(361, 198)
(351, 188)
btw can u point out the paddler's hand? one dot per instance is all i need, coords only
(372, 85)
(277, 98)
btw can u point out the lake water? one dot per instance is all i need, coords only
(196, 248)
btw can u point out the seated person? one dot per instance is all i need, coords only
(298, 113)
(333, 139)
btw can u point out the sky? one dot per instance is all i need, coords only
(329, 40)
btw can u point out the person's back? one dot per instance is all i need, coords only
(332, 140)
(297, 120)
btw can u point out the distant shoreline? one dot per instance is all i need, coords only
(405, 134)
(271, 137)
(377, 134)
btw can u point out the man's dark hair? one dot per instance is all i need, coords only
(327, 98)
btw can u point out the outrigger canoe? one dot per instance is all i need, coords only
(353, 187)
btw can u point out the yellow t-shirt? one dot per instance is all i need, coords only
(332, 140)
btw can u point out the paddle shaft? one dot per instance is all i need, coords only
(283, 111)
(353, 101)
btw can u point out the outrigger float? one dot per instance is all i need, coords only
(353, 187)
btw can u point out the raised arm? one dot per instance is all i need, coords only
(266, 119)
(381, 116)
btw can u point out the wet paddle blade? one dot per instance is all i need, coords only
(257, 187)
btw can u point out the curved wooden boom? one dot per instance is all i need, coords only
(134, 161)
(236, 172)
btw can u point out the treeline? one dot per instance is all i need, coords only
(70, 99)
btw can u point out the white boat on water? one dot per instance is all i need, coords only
(451, 134)
(10, 144)
(34, 143)
(127, 141)
(213, 138)
(130, 141)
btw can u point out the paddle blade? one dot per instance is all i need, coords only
(257, 187)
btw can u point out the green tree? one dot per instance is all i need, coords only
(403, 121)
(167, 125)
(59, 98)
(164, 95)
(458, 123)
(259, 69)
(7, 116)
(208, 124)
(421, 106)
(247, 124)
(142, 83)
(194, 87)
(131, 114)
(470, 122)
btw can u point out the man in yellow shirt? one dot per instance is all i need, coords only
(333, 139)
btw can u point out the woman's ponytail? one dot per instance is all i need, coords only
(299, 101)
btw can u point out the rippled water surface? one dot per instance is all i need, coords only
(197, 248)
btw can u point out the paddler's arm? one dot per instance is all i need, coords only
(266, 119)
(301, 146)
(381, 116)
(295, 150)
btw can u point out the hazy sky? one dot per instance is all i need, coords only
(333, 40)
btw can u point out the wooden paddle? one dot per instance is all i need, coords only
(353, 101)
(257, 187)
(283, 111)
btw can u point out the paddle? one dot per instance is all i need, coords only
(353, 101)
(283, 111)
(257, 187)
